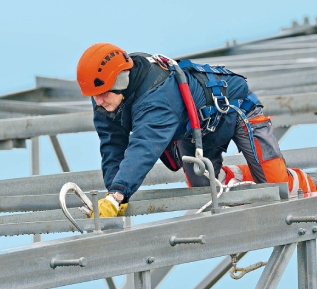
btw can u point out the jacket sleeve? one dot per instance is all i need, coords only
(154, 125)
(113, 142)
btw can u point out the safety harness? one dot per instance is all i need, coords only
(216, 99)
(217, 103)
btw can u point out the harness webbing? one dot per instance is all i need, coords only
(205, 67)
(221, 105)
(248, 126)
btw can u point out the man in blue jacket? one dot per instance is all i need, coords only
(140, 116)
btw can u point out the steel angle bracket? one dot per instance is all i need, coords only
(86, 201)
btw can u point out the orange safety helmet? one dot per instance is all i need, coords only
(99, 66)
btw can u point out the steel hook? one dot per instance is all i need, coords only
(87, 208)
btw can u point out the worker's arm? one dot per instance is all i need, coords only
(154, 125)
(156, 117)
(153, 129)
(113, 142)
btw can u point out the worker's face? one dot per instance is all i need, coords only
(108, 100)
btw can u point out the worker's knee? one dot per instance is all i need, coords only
(300, 180)
(230, 172)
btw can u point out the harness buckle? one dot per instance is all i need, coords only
(212, 128)
(202, 115)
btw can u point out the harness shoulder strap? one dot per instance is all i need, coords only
(156, 76)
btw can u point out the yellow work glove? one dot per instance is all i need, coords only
(109, 207)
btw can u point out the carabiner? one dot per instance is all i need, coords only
(87, 208)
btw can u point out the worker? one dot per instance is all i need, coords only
(140, 116)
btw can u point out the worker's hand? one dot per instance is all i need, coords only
(122, 209)
(109, 207)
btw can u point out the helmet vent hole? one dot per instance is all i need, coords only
(98, 82)
(99, 69)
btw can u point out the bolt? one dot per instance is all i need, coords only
(200, 240)
(301, 231)
(314, 230)
(150, 260)
(82, 262)
(304, 219)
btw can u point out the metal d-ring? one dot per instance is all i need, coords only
(217, 105)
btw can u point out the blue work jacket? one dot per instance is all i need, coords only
(132, 141)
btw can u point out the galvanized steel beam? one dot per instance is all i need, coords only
(299, 90)
(51, 222)
(31, 126)
(275, 267)
(29, 267)
(110, 283)
(60, 153)
(306, 260)
(280, 132)
(298, 158)
(35, 156)
(19, 224)
(158, 275)
(237, 63)
(12, 143)
(275, 55)
(264, 71)
(31, 108)
(92, 180)
(37, 94)
(290, 104)
(246, 194)
(295, 119)
(142, 280)
(283, 80)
